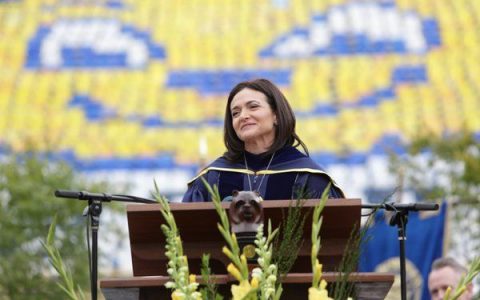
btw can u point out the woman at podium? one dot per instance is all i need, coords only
(262, 151)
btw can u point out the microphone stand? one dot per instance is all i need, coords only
(400, 219)
(94, 209)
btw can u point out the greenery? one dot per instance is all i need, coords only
(318, 289)
(67, 284)
(27, 208)
(291, 233)
(351, 256)
(266, 273)
(263, 284)
(264, 278)
(209, 288)
(238, 267)
(343, 288)
(182, 283)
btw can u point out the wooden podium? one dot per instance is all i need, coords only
(197, 224)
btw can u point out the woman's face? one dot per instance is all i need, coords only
(252, 118)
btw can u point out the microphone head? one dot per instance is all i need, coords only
(67, 194)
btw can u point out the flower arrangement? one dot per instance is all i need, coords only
(183, 283)
(264, 277)
(318, 290)
(263, 284)
(266, 274)
(238, 267)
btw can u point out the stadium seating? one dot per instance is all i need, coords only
(138, 84)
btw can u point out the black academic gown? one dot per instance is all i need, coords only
(290, 175)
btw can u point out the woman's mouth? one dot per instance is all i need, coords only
(246, 126)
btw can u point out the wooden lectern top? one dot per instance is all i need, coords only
(197, 223)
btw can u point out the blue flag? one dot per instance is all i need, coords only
(425, 239)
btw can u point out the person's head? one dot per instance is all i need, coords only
(258, 113)
(446, 272)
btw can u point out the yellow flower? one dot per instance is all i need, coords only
(317, 294)
(234, 271)
(227, 252)
(254, 282)
(192, 278)
(241, 290)
(323, 284)
(177, 295)
(318, 268)
(317, 275)
(243, 259)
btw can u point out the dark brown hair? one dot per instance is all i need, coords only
(285, 134)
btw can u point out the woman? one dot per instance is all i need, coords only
(260, 137)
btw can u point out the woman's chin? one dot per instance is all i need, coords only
(248, 137)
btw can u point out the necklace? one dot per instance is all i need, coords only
(255, 178)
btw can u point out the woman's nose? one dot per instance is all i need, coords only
(244, 115)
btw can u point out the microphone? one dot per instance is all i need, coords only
(420, 206)
(94, 209)
(83, 195)
(67, 194)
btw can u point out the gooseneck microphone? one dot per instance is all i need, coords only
(83, 195)
(419, 206)
(93, 210)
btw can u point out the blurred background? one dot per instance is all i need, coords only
(114, 95)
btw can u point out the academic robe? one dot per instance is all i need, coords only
(289, 175)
